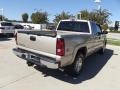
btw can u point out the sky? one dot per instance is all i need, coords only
(14, 8)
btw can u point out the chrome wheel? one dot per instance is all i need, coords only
(78, 65)
(76, 68)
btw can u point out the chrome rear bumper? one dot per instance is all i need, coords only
(37, 59)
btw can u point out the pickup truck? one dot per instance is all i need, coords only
(66, 47)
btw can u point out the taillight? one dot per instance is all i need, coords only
(16, 38)
(60, 47)
(2, 28)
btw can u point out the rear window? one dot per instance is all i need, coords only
(6, 24)
(74, 26)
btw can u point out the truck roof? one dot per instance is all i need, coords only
(79, 20)
(76, 20)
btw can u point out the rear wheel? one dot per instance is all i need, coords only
(76, 67)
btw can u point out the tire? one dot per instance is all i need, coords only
(102, 50)
(76, 68)
(30, 63)
(1, 35)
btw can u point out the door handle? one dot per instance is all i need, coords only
(32, 38)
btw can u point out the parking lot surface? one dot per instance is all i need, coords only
(100, 72)
(113, 35)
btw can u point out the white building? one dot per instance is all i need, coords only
(34, 26)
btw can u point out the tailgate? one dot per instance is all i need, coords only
(43, 41)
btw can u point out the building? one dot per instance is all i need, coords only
(112, 25)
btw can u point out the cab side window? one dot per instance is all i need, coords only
(95, 28)
(98, 28)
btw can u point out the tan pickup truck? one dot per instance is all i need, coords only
(66, 47)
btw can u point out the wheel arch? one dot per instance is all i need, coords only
(82, 50)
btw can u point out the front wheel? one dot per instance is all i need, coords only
(102, 50)
(76, 67)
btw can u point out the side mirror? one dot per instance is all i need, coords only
(99, 33)
(105, 32)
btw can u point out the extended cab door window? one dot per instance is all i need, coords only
(93, 27)
(96, 29)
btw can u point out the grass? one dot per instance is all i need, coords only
(113, 42)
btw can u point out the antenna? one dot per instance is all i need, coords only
(98, 2)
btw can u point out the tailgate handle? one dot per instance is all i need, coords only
(32, 38)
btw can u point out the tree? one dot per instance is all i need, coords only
(99, 16)
(3, 18)
(102, 16)
(39, 17)
(63, 15)
(25, 17)
(116, 25)
(85, 15)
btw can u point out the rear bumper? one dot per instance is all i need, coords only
(37, 59)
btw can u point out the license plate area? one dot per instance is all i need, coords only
(34, 58)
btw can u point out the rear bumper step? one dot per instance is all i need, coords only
(37, 59)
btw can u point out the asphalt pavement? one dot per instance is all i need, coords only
(113, 35)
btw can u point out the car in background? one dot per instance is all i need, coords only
(6, 28)
(28, 27)
(18, 26)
